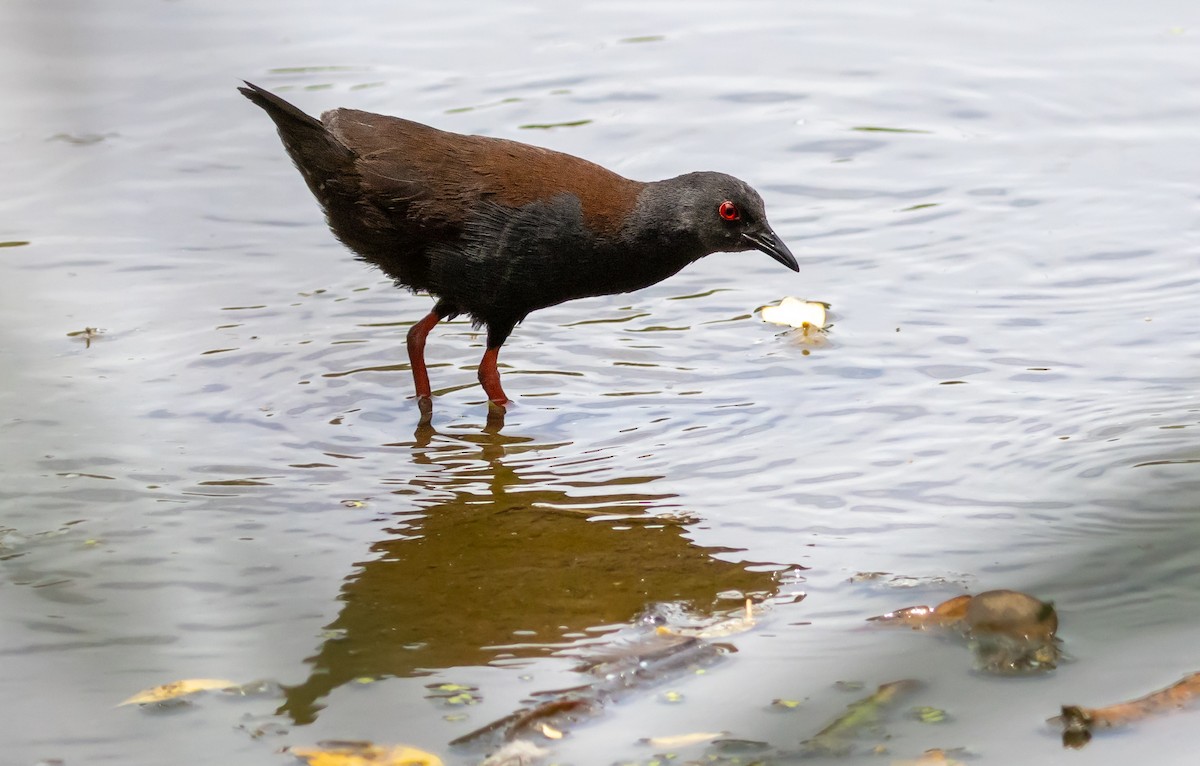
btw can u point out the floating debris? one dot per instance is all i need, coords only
(549, 732)
(339, 753)
(739, 623)
(514, 725)
(793, 312)
(879, 129)
(892, 580)
(1009, 632)
(519, 753)
(87, 335)
(1079, 722)
(926, 714)
(82, 139)
(660, 655)
(864, 715)
(551, 125)
(453, 695)
(461, 109)
(652, 657)
(177, 689)
(683, 740)
(935, 757)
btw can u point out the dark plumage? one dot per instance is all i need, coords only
(496, 229)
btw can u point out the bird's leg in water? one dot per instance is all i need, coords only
(416, 356)
(489, 378)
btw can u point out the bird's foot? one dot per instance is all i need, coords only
(500, 405)
(425, 407)
(495, 414)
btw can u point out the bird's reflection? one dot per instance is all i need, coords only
(506, 538)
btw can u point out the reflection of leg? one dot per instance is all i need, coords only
(416, 353)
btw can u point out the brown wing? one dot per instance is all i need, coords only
(434, 178)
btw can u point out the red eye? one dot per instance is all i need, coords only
(729, 211)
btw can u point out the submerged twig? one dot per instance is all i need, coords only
(1078, 722)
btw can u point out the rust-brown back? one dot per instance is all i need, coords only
(438, 176)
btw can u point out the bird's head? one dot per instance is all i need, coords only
(727, 215)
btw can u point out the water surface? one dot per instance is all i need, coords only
(229, 479)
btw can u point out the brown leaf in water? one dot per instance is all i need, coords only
(947, 614)
(178, 689)
(364, 754)
(934, 757)
(1010, 613)
(1079, 722)
(1010, 632)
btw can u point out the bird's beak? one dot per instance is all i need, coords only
(769, 242)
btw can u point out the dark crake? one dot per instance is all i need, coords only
(496, 229)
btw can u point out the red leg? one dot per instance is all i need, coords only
(416, 353)
(489, 377)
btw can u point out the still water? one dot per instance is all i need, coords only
(228, 480)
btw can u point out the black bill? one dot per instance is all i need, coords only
(769, 243)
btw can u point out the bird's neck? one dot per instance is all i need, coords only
(659, 219)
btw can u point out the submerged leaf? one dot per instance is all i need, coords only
(881, 129)
(178, 689)
(863, 715)
(364, 754)
(549, 125)
(452, 694)
(926, 714)
(513, 725)
(683, 740)
(522, 752)
(739, 623)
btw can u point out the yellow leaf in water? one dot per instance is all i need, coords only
(364, 754)
(794, 312)
(549, 732)
(926, 714)
(178, 689)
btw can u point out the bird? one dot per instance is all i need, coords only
(496, 229)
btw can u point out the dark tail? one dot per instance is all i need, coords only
(316, 152)
(285, 115)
